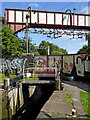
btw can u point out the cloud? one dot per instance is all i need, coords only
(82, 43)
(34, 4)
(84, 10)
(71, 52)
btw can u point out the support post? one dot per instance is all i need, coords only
(7, 83)
(57, 84)
(27, 16)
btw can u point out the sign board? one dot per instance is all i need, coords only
(16, 19)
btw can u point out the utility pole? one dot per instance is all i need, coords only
(27, 16)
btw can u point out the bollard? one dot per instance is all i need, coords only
(6, 84)
(57, 84)
(73, 113)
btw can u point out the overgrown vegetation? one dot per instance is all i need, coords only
(68, 98)
(85, 98)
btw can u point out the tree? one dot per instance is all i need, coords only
(10, 43)
(32, 46)
(54, 49)
(85, 49)
(43, 51)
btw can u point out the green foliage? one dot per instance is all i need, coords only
(35, 78)
(24, 45)
(10, 43)
(85, 49)
(54, 49)
(85, 98)
(68, 99)
(43, 51)
(2, 77)
(36, 53)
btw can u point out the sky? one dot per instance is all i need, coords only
(71, 45)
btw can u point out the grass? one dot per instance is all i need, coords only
(2, 77)
(68, 98)
(35, 78)
(85, 98)
(56, 113)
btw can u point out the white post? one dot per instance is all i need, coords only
(48, 50)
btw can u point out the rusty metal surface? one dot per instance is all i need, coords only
(45, 19)
(67, 64)
(77, 63)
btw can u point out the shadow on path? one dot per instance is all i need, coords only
(79, 84)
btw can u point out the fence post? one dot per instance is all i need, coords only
(7, 84)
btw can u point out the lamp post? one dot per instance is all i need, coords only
(74, 15)
(70, 16)
(27, 16)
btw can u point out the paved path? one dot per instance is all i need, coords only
(75, 87)
(56, 107)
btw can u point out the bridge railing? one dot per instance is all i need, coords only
(16, 19)
(41, 72)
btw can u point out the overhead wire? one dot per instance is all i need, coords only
(46, 5)
(59, 10)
